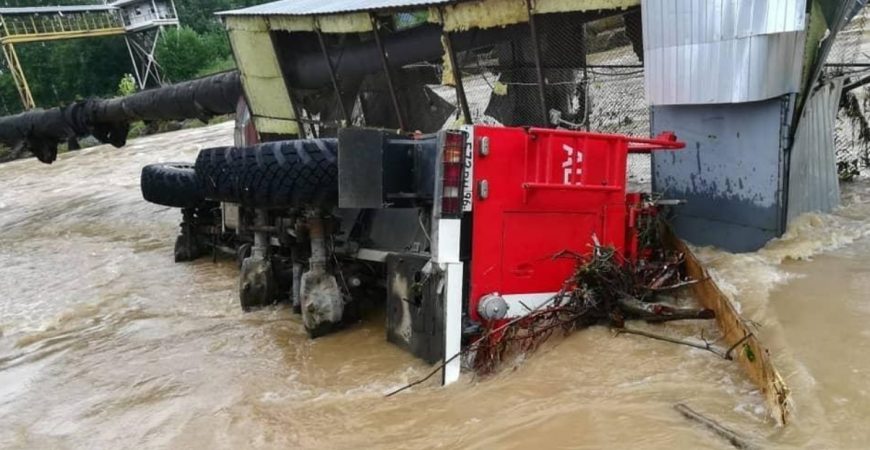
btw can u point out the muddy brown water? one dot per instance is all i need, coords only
(106, 343)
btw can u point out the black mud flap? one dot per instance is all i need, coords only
(415, 310)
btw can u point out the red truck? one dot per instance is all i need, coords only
(449, 230)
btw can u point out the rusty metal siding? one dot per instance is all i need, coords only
(315, 7)
(722, 51)
(813, 183)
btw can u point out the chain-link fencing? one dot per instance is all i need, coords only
(592, 71)
(574, 70)
(850, 58)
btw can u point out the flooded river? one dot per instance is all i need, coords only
(106, 343)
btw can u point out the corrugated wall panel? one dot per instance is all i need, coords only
(813, 183)
(722, 51)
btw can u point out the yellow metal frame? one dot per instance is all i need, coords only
(22, 38)
(94, 28)
(18, 76)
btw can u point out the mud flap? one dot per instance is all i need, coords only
(415, 312)
(424, 309)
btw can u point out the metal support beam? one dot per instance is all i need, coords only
(457, 74)
(143, 46)
(584, 83)
(18, 76)
(135, 65)
(332, 76)
(536, 47)
(39, 26)
(386, 66)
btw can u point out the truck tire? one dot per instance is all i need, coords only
(215, 172)
(288, 174)
(171, 184)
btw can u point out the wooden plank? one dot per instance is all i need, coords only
(745, 346)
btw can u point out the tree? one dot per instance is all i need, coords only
(183, 52)
(60, 72)
(199, 14)
(127, 85)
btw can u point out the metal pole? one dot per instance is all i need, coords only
(18, 76)
(5, 28)
(135, 63)
(386, 65)
(584, 85)
(536, 47)
(150, 55)
(457, 74)
(175, 13)
(332, 76)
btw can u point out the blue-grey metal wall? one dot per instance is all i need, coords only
(730, 172)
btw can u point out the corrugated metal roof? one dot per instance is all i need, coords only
(813, 183)
(55, 9)
(316, 7)
(721, 51)
(121, 3)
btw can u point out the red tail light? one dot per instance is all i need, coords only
(451, 173)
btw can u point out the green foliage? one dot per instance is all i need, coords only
(9, 102)
(60, 72)
(183, 53)
(747, 350)
(127, 85)
(64, 71)
(199, 14)
(218, 65)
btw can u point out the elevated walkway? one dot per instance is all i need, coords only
(48, 23)
(139, 21)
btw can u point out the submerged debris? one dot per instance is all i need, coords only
(606, 288)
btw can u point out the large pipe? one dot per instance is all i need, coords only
(40, 131)
(310, 70)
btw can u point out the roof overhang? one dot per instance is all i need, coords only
(322, 7)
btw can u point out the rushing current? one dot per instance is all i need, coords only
(106, 343)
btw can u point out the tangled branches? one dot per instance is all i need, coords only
(605, 288)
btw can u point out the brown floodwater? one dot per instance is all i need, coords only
(106, 343)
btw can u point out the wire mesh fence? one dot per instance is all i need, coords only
(850, 58)
(574, 70)
(592, 75)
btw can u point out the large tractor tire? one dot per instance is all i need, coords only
(171, 184)
(214, 168)
(288, 174)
